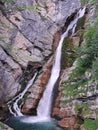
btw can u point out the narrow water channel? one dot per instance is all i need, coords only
(43, 120)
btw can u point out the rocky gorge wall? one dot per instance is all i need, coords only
(28, 35)
(76, 106)
(30, 32)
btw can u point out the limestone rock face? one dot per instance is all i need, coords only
(35, 92)
(15, 44)
(9, 74)
(29, 32)
(78, 100)
(39, 25)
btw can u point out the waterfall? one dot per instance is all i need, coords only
(44, 107)
(15, 107)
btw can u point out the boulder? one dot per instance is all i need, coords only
(69, 122)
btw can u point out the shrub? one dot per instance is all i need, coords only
(91, 124)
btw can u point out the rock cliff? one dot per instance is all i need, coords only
(29, 34)
(77, 102)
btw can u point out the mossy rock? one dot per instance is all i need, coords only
(68, 55)
(83, 108)
(4, 127)
(80, 23)
(1, 125)
(91, 124)
(70, 44)
(73, 89)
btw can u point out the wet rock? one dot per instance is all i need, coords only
(34, 65)
(36, 90)
(4, 126)
(56, 40)
(4, 113)
(55, 111)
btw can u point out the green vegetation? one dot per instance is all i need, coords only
(80, 24)
(88, 54)
(78, 83)
(7, 1)
(86, 1)
(1, 125)
(83, 108)
(75, 88)
(25, 78)
(91, 124)
(95, 70)
(94, 2)
(25, 7)
(68, 49)
(83, 64)
(68, 55)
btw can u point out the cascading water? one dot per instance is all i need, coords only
(44, 108)
(45, 102)
(17, 111)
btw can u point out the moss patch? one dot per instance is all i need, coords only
(1, 125)
(90, 124)
(68, 55)
(80, 23)
(74, 89)
(83, 108)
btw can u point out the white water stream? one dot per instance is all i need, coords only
(16, 110)
(44, 107)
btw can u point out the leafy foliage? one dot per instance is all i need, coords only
(90, 124)
(88, 54)
(25, 7)
(78, 82)
(95, 69)
(86, 1)
(82, 65)
(7, 1)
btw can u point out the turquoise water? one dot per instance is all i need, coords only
(17, 124)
